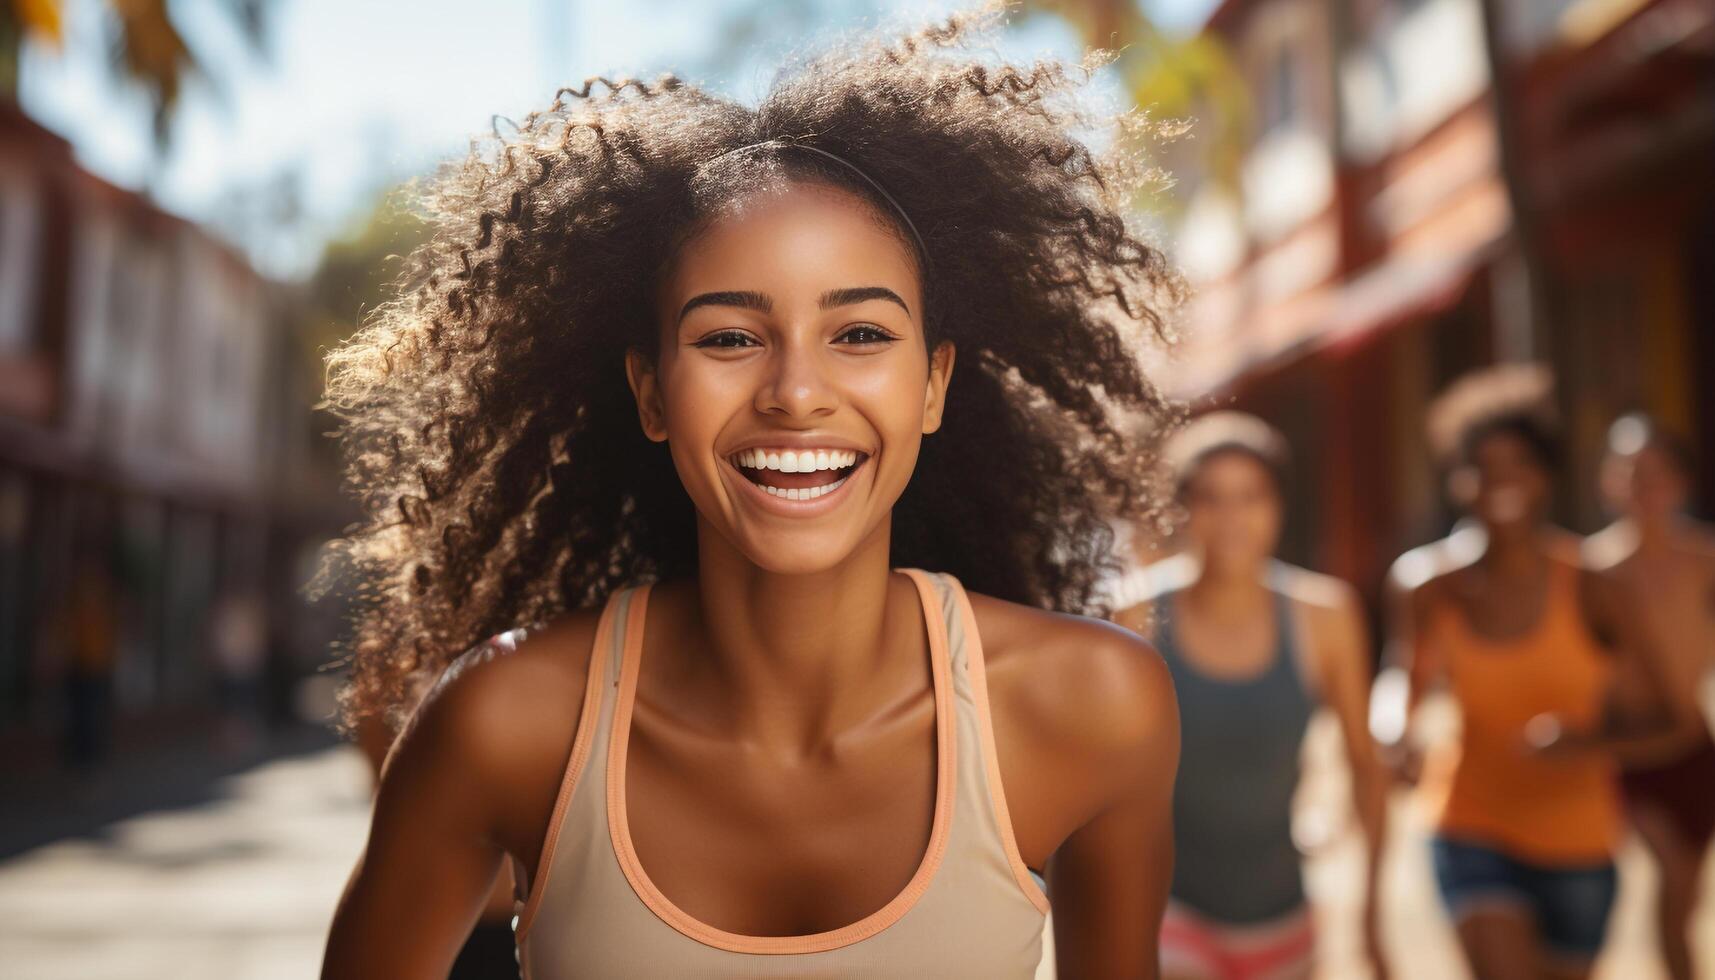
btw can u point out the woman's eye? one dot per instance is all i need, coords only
(865, 333)
(726, 339)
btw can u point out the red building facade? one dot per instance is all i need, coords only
(1372, 249)
(152, 416)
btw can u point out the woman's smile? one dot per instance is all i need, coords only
(803, 474)
(786, 479)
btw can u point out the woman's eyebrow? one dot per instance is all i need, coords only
(747, 299)
(859, 294)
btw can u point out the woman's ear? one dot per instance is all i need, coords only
(935, 393)
(646, 388)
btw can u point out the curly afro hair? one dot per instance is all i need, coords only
(477, 407)
(1503, 399)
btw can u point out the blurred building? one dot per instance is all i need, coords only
(154, 426)
(1379, 237)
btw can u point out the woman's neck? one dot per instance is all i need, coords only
(1515, 552)
(1229, 591)
(801, 658)
(1649, 537)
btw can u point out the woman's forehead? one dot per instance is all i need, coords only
(796, 229)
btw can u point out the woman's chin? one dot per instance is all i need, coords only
(803, 549)
(1507, 518)
(796, 558)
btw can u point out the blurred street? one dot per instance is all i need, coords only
(240, 885)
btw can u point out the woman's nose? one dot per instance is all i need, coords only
(798, 385)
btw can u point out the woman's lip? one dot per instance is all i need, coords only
(798, 445)
(819, 449)
(796, 508)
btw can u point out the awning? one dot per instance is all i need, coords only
(1399, 290)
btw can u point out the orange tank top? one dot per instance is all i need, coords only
(1492, 789)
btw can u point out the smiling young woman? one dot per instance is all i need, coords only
(692, 392)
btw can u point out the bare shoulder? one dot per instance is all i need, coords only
(499, 724)
(1699, 541)
(1592, 579)
(1565, 546)
(507, 687)
(1417, 567)
(1437, 589)
(1073, 681)
(1321, 595)
(1146, 587)
(1410, 571)
(1607, 549)
(1330, 614)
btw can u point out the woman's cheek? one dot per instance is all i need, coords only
(898, 415)
(694, 414)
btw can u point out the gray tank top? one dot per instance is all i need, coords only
(1234, 860)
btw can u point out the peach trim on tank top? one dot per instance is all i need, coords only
(991, 758)
(945, 783)
(600, 656)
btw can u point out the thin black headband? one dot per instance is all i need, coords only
(922, 250)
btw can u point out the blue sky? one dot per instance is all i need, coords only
(355, 94)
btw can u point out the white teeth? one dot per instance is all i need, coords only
(807, 493)
(790, 461)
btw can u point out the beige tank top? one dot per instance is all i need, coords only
(971, 910)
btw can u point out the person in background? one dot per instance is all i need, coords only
(1463, 545)
(238, 640)
(89, 628)
(1526, 812)
(489, 952)
(1254, 646)
(1668, 561)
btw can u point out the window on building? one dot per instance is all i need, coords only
(20, 209)
(1280, 94)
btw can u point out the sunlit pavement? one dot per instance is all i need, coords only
(241, 886)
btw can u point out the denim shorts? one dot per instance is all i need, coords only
(1569, 903)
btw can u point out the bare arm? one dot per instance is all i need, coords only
(430, 860)
(1341, 656)
(1108, 880)
(1410, 652)
(1343, 668)
(472, 778)
(1641, 718)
